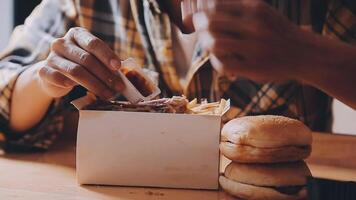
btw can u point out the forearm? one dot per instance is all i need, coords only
(334, 71)
(29, 102)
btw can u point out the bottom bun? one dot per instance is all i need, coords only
(252, 192)
(250, 154)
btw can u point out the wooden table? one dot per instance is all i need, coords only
(51, 175)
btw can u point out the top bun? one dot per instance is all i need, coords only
(267, 131)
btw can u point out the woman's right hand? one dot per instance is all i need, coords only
(80, 58)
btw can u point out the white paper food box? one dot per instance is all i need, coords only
(147, 149)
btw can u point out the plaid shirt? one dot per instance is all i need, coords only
(138, 28)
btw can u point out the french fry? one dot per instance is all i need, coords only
(192, 103)
(221, 107)
(205, 106)
(215, 108)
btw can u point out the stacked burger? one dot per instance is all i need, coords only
(267, 155)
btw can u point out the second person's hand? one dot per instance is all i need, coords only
(249, 38)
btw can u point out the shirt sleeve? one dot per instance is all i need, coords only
(341, 21)
(29, 44)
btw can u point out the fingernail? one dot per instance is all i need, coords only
(185, 9)
(119, 86)
(115, 64)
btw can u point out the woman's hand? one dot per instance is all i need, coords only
(249, 38)
(79, 58)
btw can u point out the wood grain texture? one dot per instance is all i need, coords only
(334, 150)
(51, 175)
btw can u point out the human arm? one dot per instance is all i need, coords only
(78, 58)
(29, 102)
(249, 38)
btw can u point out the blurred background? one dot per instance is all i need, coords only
(13, 12)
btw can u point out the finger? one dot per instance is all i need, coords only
(56, 78)
(223, 23)
(233, 67)
(80, 75)
(54, 83)
(237, 7)
(95, 46)
(190, 7)
(224, 45)
(74, 53)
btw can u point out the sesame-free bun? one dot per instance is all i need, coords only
(276, 174)
(266, 181)
(265, 139)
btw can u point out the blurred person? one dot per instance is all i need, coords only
(67, 47)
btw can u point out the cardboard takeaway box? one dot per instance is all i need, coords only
(147, 149)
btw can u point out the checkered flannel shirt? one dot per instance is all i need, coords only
(138, 29)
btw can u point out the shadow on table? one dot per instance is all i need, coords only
(113, 192)
(62, 152)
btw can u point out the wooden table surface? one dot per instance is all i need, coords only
(51, 175)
